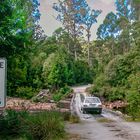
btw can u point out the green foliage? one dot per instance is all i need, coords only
(11, 124)
(133, 95)
(98, 88)
(61, 93)
(57, 96)
(120, 76)
(60, 69)
(109, 93)
(22, 125)
(65, 90)
(100, 80)
(45, 126)
(134, 81)
(133, 98)
(82, 72)
(116, 72)
(116, 93)
(119, 69)
(57, 70)
(25, 92)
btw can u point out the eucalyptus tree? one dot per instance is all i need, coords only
(89, 18)
(126, 16)
(109, 28)
(118, 25)
(63, 38)
(69, 13)
(115, 22)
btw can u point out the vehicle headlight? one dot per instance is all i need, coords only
(85, 105)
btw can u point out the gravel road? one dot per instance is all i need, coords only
(91, 128)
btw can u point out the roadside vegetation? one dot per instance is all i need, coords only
(24, 125)
(104, 120)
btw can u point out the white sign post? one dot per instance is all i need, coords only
(3, 70)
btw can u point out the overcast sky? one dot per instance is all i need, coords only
(49, 23)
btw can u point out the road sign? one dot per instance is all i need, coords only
(3, 70)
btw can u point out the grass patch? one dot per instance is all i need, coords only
(45, 126)
(130, 119)
(11, 124)
(21, 125)
(74, 119)
(104, 120)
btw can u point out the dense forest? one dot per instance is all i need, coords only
(69, 57)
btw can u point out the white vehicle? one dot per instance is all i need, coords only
(91, 104)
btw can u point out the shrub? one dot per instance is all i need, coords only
(61, 93)
(133, 95)
(11, 123)
(22, 125)
(116, 71)
(100, 80)
(25, 92)
(82, 72)
(105, 91)
(117, 93)
(98, 84)
(95, 90)
(121, 67)
(57, 97)
(45, 126)
(60, 69)
(133, 98)
(65, 90)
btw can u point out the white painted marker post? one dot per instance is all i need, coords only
(3, 69)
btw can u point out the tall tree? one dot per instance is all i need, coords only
(70, 16)
(89, 18)
(117, 26)
(109, 28)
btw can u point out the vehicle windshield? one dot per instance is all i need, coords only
(92, 100)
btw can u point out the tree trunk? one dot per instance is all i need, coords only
(75, 52)
(113, 51)
(88, 53)
(88, 39)
(75, 40)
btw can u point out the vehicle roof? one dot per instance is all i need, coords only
(95, 99)
(91, 97)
